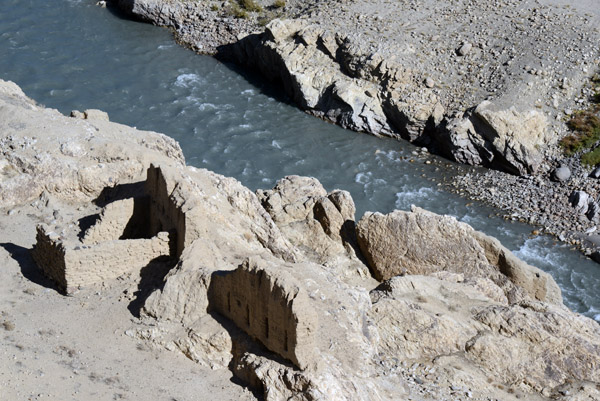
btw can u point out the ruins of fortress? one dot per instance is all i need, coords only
(126, 236)
(281, 287)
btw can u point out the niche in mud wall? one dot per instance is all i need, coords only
(120, 220)
(270, 306)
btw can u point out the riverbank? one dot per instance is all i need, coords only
(433, 95)
(433, 73)
(273, 287)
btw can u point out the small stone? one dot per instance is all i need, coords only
(77, 114)
(561, 174)
(8, 326)
(595, 173)
(429, 82)
(464, 49)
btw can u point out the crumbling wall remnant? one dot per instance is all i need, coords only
(71, 264)
(271, 307)
(165, 209)
(127, 235)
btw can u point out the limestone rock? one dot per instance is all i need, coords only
(580, 201)
(537, 284)
(515, 136)
(330, 217)
(421, 242)
(74, 159)
(530, 344)
(481, 324)
(593, 213)
(595, 173)
(412, 113)
(95, 114)
(459, 141)
(321, 225)
(339, 77)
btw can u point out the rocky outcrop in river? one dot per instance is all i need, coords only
(285, 289)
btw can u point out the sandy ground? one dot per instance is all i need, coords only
(55, 347)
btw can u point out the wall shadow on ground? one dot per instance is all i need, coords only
(29, 268)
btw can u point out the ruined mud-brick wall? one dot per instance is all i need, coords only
(165, 211)
(271, 307)
(49, 254)
(112, 222)
(122, 219)
(72, 264)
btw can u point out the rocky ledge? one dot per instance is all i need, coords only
(284, 288)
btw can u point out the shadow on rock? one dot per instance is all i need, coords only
(151, 278)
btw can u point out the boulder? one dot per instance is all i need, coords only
(515, 136)
(593, 212)
(420, 242)
(580, 201)
(320, 224)
(595, 173)
(459, 141)
(95, 114)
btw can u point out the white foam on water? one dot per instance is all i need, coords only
(188, 80)
(534, 252)
(362, 178)
(406, 198)
(468, 219)
(207, 106)
(248, 92)
(392, 155)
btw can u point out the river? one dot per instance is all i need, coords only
(71, 54)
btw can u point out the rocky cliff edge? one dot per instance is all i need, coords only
(285, 289)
